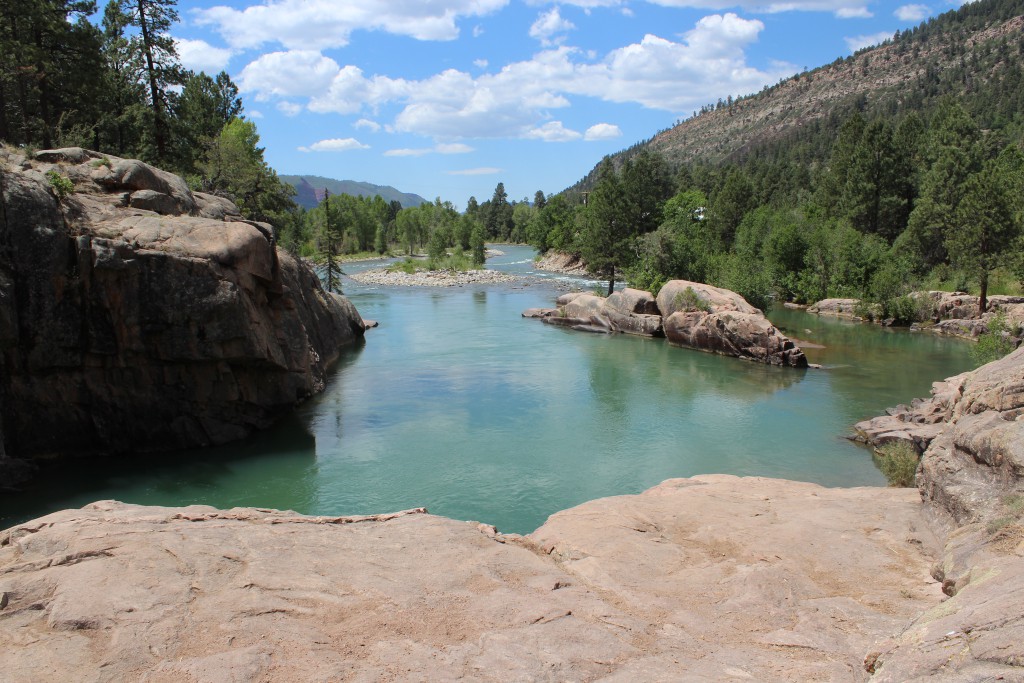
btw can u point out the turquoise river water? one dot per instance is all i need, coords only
(458, 404)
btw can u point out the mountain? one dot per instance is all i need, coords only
(310, 190)
(972, 54)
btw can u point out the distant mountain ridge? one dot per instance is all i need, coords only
(310, 189)
(974, 54)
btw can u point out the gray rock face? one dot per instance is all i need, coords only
(122, 330)
(699, 579)
(840, 308)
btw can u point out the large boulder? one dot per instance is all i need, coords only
(721, 321)
(124, 331)
(628, 311)
(681, 295)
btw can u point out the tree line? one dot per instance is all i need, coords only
(898, 206)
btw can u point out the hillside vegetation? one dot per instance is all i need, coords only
(897, 168)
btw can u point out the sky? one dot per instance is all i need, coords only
(447, 98)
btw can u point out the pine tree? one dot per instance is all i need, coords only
(154, 19)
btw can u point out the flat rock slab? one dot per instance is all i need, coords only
(710, 578)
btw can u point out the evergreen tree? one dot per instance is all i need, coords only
(479, 251)
(607, 238)
(202, 109)
(331, 246)
(154, 19)
(985, 228)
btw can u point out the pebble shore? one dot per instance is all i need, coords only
(432, 278)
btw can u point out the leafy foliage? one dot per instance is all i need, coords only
(898, 461)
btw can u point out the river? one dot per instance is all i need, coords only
(457, 404)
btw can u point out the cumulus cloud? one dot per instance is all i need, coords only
(298, 24)
(488, 170)
(335, 145)
(708, 62)
(549, 26)
(289, 108)
(602, 131)
(841, 8)
(553, 131)
(287, 74)
(372, 126)
(453, 148)
(480, 63)
(198, 55)
(444, 148)
(912, 12)
(857, 42)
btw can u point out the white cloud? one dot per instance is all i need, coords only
(320, 24)
(518, 100)
(372, 126)
(553, 131)
(198, 55)
(602, 131)
(287, 74)
(912, 12)
(477, 171)
(408, 152)
(478, 31)
(254, 114)
(289, 108)
(480, 63)
(453, 148)
(442, 148)
(854, 13)
(849, 8)
(855, 43)
(548, 27)
(335, 145)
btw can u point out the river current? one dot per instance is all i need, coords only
(457, 404)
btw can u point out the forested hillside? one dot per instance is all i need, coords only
(309, 190)
(895, 169)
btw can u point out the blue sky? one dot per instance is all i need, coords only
(448, 97)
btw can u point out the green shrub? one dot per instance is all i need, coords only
(996, 342)
(689, 300)
(61, 185)
(102, 161)
(407, 265)
(898, 461)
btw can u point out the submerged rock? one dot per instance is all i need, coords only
(125, 330)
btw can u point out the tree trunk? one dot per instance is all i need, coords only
(611, 281)
(154, 89)
(983, 297)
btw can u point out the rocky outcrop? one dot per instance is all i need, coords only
(690, 314)
(838, 308)
(561, 262)
(971, 432)
(699, 579)
(125, 329)
(712, 319)
(629, 311)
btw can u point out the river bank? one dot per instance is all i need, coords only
(432, 278)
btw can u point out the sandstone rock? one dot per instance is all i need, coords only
(673, 297)
(730, 333)
(567, 297)
(840, 308)
(218, 208)
(122, 331)
(133, 175)
(560, 262)
(629, 301)
(150, 200)
(698, 579)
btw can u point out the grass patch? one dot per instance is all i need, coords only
(406, 265)
(898, 462)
